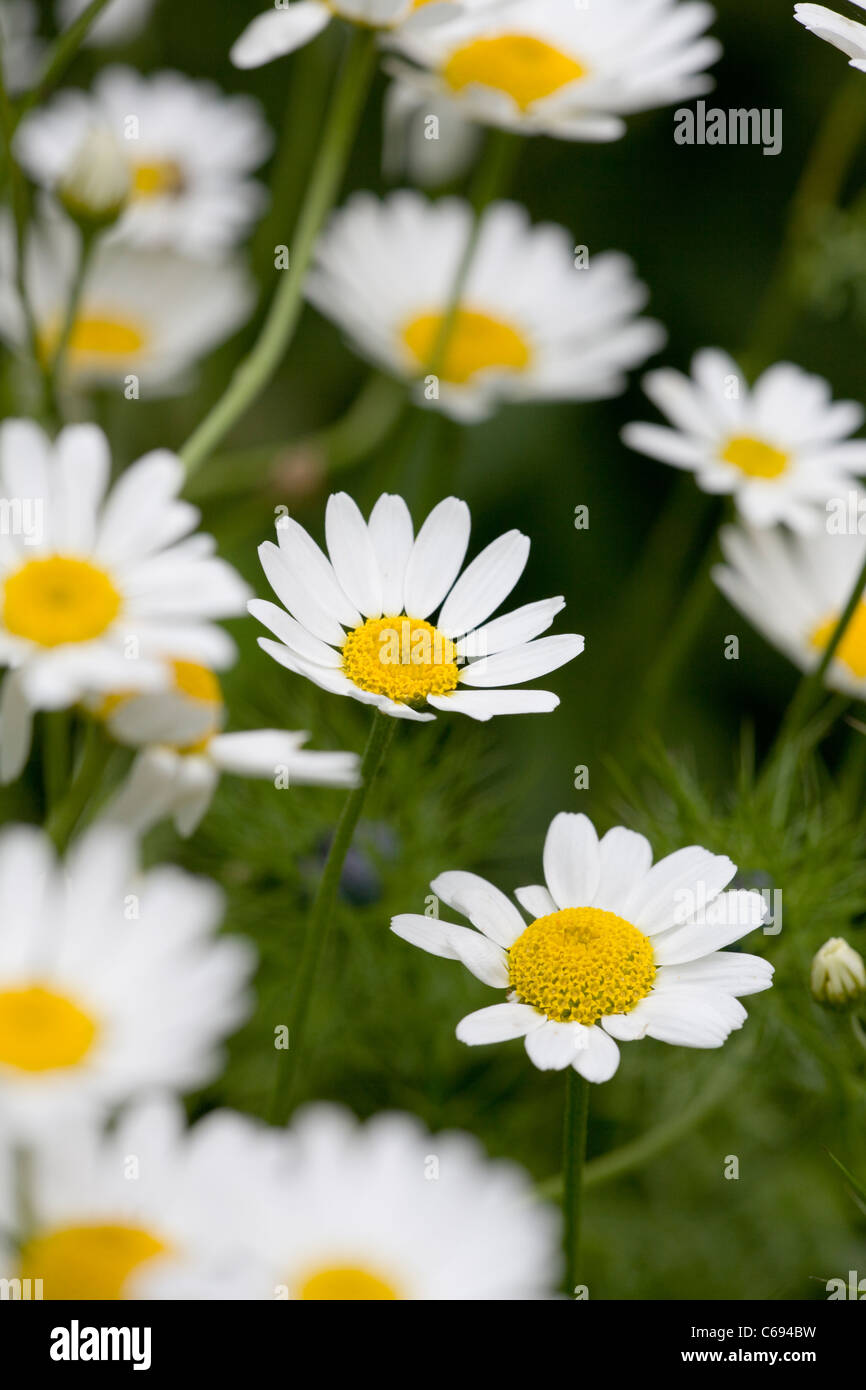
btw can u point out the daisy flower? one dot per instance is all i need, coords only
(149, 1210)
(282, 29)
(111, 982)
(781, 448)
(147, 315)
(359, 623)
(387, 1211)
(530, 323)
(843, 33)
(98, 587)
(553, 67)
(185, 752)
(120, 22)
(190, 152)
(616, 949)
(794, 590)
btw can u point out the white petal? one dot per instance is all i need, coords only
(277, 32)
(688, 875)
(690, 1017)
(487, 704)
(524, 663)
(487, 908)
(352, 554)
(599, 1059)
(484, 584)
(554, 1046)
(392, 536)
(512, 629)
(624, 859)
(536, 900)
(728, 917)
(296, 595)
(438, 553)
(306, 559)
(733, 972)
(483, 958)
(498, 1023)
(571, 865)
(298, 638)
(16, 728)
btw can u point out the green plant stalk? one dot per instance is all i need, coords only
(54, 368)
(61, 54)
(55, 756)
(573, 1162)
(65, 816)
(319, 920)
(20, 214)
(257, 369)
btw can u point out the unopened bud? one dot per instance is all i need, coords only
(838, 974)
(95, 186)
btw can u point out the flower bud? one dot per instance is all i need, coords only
(95, 186)
(838, 976)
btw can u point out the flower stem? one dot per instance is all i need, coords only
(55, 756)
(256, 370)
(54, 367)
(316, 931)
(573, 1160)
(66, 814)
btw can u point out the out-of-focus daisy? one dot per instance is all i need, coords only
(185, 751)
(387, 1211)
(530, 324)
(22, 48)
(282, 29)
(425, 137)
(101, 586)
(553, 67)
(781, 448)
(360, 624)
(150, 315)
(149, 1210)
(120, 22)
(111, 982)
(794, 589)
(843, 33)
(616, 949)
(189, 150)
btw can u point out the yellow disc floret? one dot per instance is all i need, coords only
(41, 1030)
(581, 964)
(521, 65)
(851, 651)
(162, 178)
(57, 600)
(406, 659)
(755, 458)
(346, 1282)
(476, 342)
(88, 1262)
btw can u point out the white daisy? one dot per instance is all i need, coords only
(386, 1211)
(781, 448)
(111, 982)
(185, 752)
(120, 22)
(98, 587)
(530, 324)
(286, 27)
(615, 949)
(144, 318)
(843, 33)
(360, 624)
(553, 67)
(22, 47)
(149, 1210)
(794, 589)
(189, 150)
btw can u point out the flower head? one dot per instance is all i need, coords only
(616, 949)
(359, 623)
(286, 27)
(781, 448)
(838, 975)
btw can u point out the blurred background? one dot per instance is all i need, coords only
(668, 729)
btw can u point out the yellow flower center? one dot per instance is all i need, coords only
(581, 964)
(475, 343)
(96, 339)
(346, 1282)
(852, 649)
(406, 659)
(163, 178)
(198, 682)
(57, 600)
(42, 1031)
(526, 68)
(755, 458)
(88, 1262)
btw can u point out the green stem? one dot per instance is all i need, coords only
(54, 369)
(257, 369)
(573, 1161)
(62, 53)
(55, 756)
(318, 923)
(858, 1031)
(65, 816)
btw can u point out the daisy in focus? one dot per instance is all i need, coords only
(148, 1210)
(794, 589)
(148, 315)
(185, 752)
(531, 324)
(386, 1211)
(358, 621)
(617, 948)
(111, 982)
(98, 586)
(552, 67)
(781, 448)
(844, 34)
(188, 149)
(287, 27)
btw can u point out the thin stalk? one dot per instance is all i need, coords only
(64, 818)
(319, 920)
(54, 370)
(55, 756)
(62, 53)
(573, 1160)
(259, 366)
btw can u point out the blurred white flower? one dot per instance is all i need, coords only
(357, 624)
(838, 975)
(106, 584)
(22, 47)
(112, 982)
(95, 184)
(426, 139)
(535, 321)
(616, 948)
(553, 67)
(780, 447)
(189, 151)
(843, 33)
(287, 26)
(119, 23)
